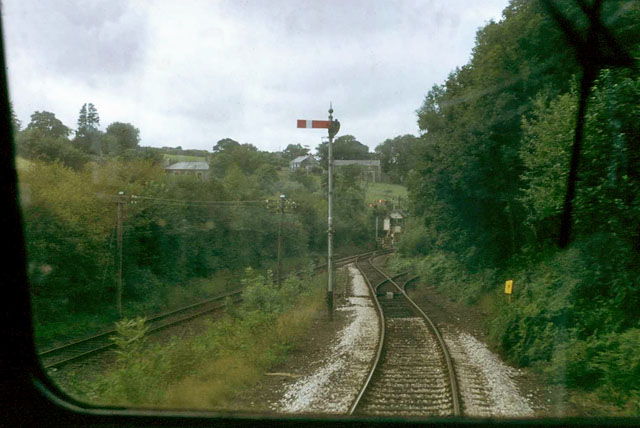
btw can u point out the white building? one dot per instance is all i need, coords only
(306, 161)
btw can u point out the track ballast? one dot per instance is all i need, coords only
(412, 374)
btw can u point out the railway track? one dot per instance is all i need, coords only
(89, 346)
(412, 374)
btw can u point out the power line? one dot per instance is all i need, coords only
(135, 198)
(163, 232)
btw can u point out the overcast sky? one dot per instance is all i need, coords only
(189, 73)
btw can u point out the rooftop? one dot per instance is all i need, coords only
(340, 162)
(300, 158)
(191, 166)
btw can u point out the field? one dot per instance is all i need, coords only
(388, 191)
(22, 163)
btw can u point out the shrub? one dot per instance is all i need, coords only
(416, 240)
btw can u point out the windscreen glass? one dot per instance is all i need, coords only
(412, 209)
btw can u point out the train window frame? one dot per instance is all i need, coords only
(29, 397)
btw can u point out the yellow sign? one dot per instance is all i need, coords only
(508, 286)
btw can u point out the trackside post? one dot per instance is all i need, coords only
(333, 127)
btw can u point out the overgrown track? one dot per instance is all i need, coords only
(412, 373)
(83, 348)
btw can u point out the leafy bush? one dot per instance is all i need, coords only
(444, 271)
(260, 292)
(416, 240)
(573, 314)
(209, 369)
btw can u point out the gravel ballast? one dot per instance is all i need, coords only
(333, 386)
(488, 387)
(326, 374)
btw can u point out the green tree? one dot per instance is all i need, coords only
(45, 138)
(398, 156)
(225, 144)
(88, 137)
(344, 147)
(548, 135)
(294, 150)
(15, 122)
(88, 117)
(229, 153)
(468, 183)
(609, 176)
(121, 136)
(37, 145)
(47, 123)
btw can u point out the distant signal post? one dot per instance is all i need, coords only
(333, 126)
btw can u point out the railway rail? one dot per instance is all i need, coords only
(89, 346)
(95, 344)
(412, 373)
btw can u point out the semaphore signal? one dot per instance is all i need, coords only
(333, 126)
(319, 124)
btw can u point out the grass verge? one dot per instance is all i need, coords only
(207, 371)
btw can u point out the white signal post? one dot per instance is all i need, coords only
(330, 224)
(333, 127)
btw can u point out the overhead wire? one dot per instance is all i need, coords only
(136, 198)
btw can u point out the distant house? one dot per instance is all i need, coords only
(371, 169)
(199, 169)
(307, 162)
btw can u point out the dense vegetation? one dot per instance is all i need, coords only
(210, 369)
(486, 181)
(488, 189)
(177, 230)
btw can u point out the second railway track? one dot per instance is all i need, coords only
(98, 343)
(89, 346)
(412, 374)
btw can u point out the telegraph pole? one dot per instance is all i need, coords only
(120, 202)
(282, 206)
(281, 209)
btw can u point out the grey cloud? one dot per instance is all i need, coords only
(93, 39)
(240, 69)
(333, 20)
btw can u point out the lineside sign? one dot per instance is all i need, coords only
(508, 287)
(326, 124)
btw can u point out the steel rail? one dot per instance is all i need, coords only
(455, 393)
(381, 328)
(105, 334)
(156, 317)
(152, 329)
(413, 278)
(395, 277)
